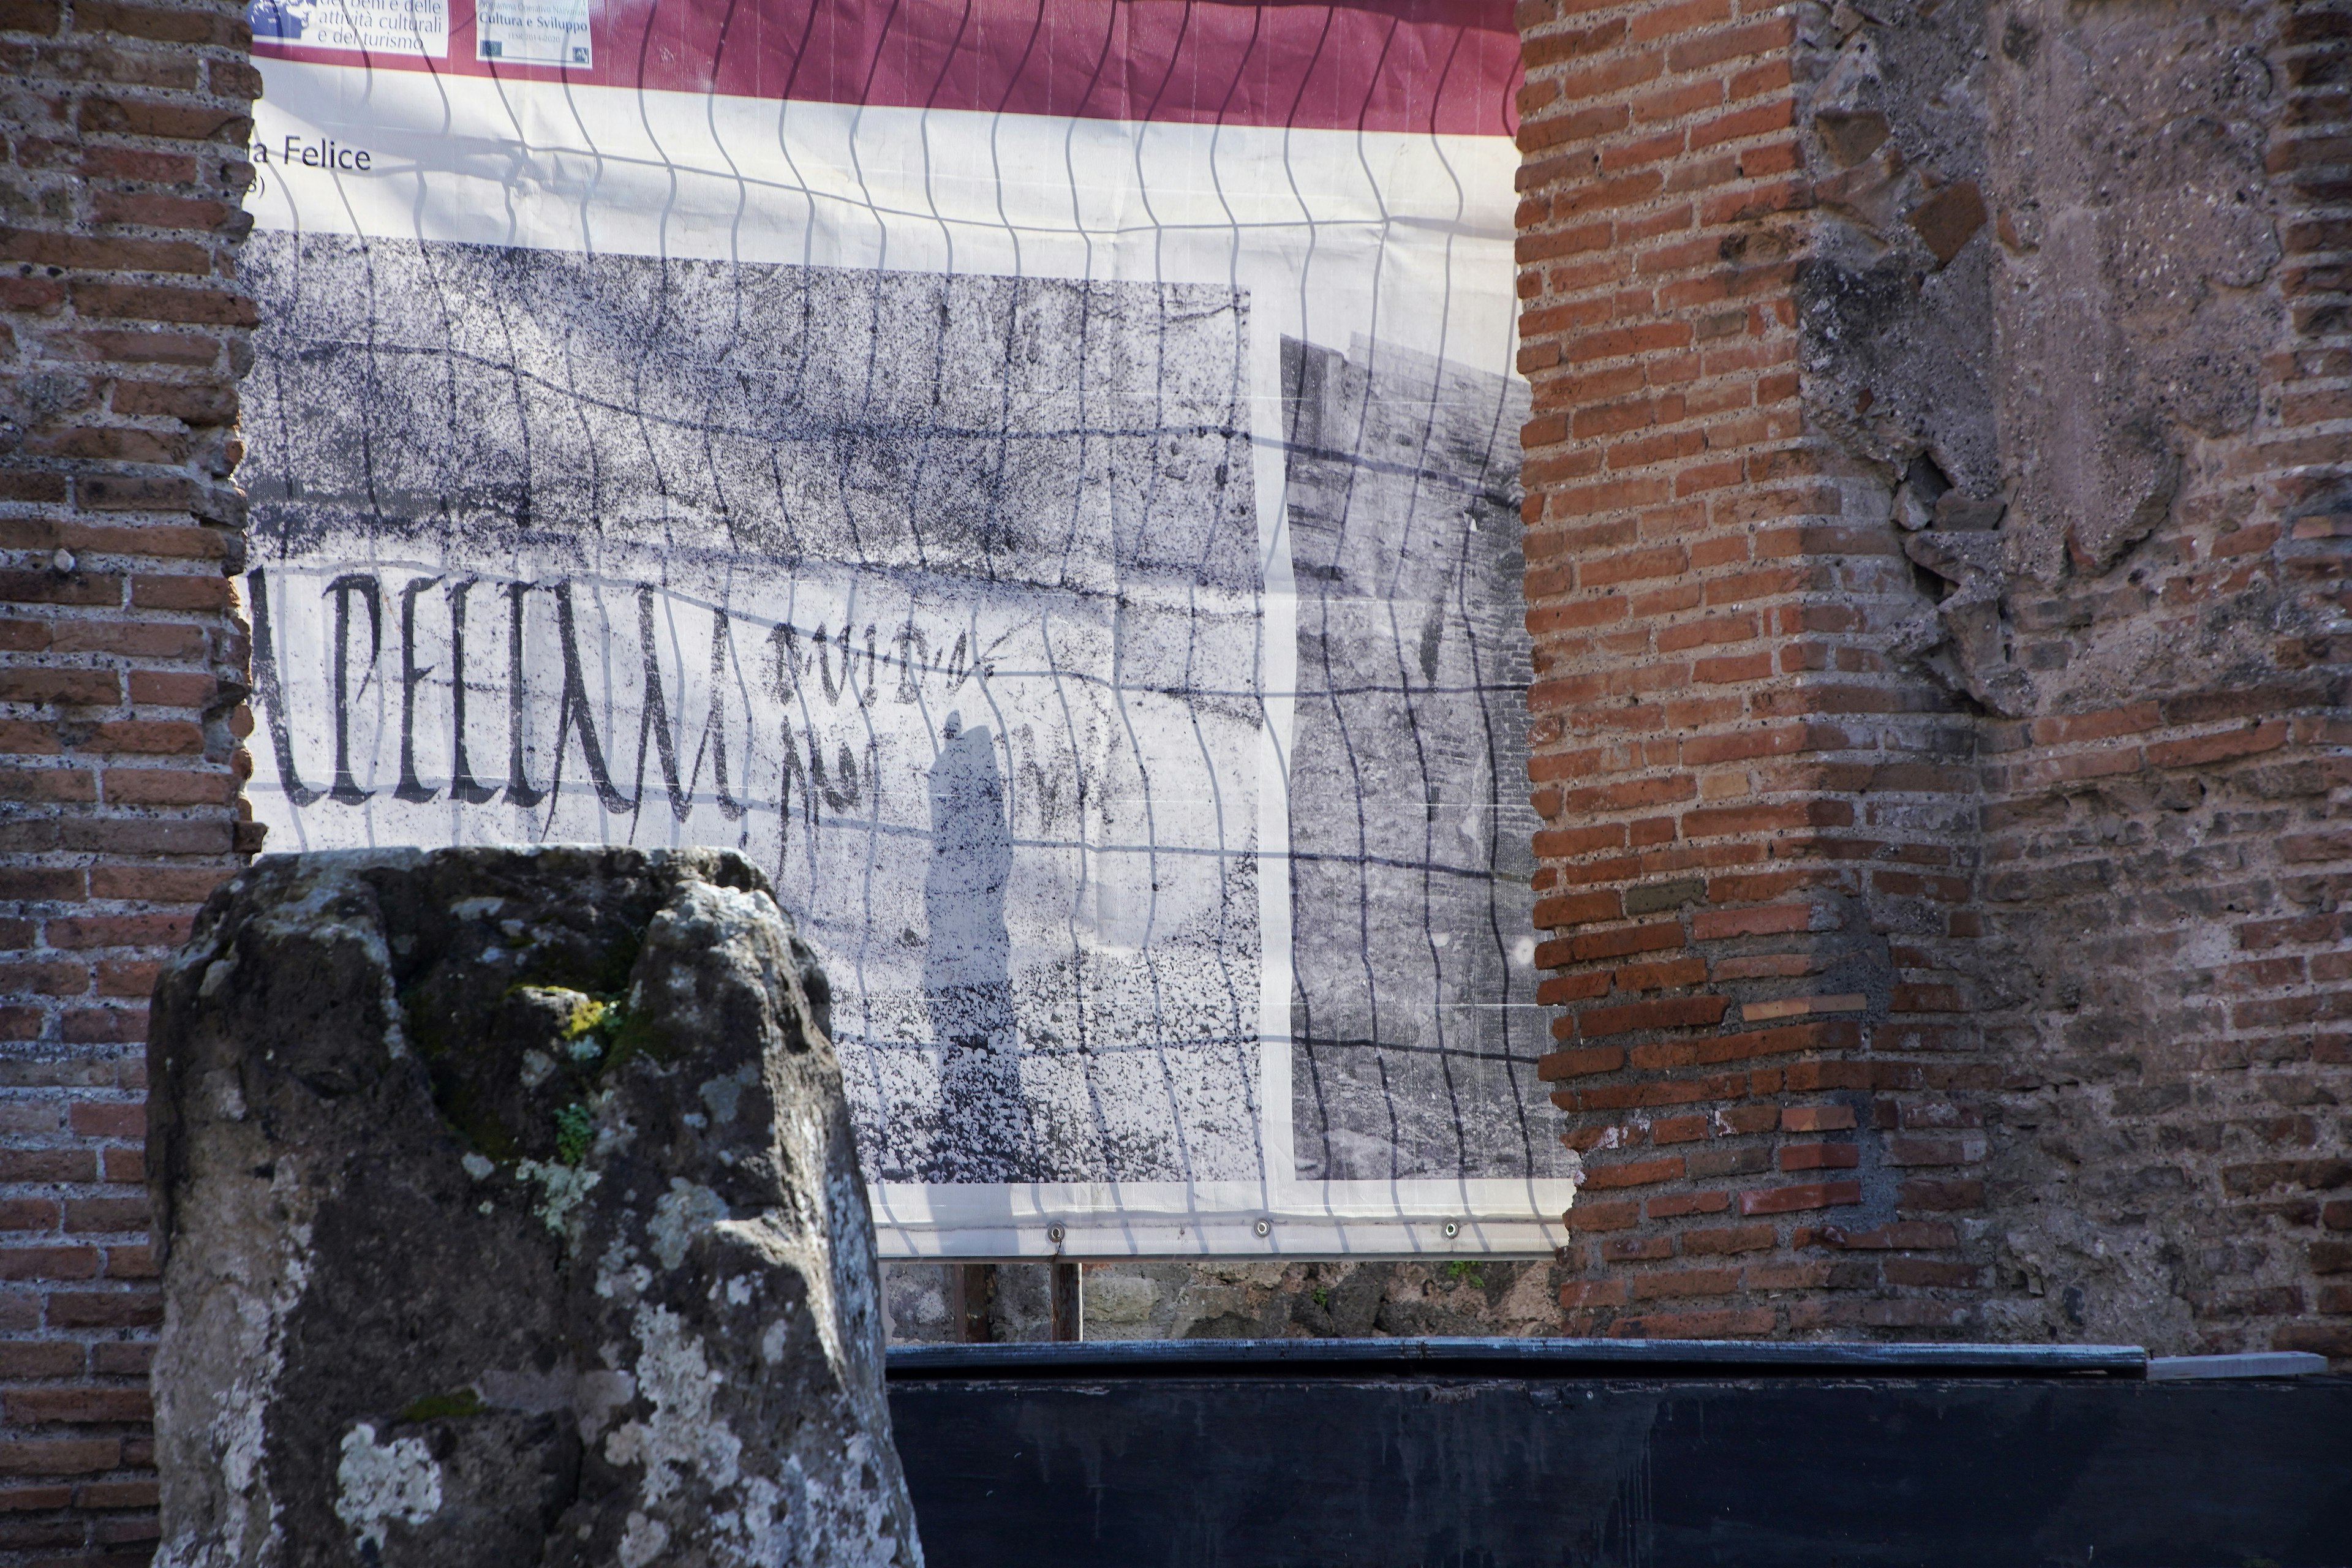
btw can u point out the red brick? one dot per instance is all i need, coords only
(1578, 1063)
(1600, 1215)
(168, 786)
(1753, 39)
(71, 1457)
(1568, 129)
(1797, 1276)
(1941, 1196)
(47, 1165)
(1679, 1129)
(181, 592)
(148, 737)
(2322, 1339)
(52, 587)
(157, 884)
(115, 492)
(1685, 1282)
(172, 688)
(2206, 749)
(131, 1262)
(119, 931)
(136, 1308)
(1655, 937)
(1664, 1013)
(1805, 1196)
(1633, 1174)
(1730, 1239)
(122, 1358)
(1734, 1323)
(102, 1216)
(65, 686)
(1578, 908)
(49, 1263)
(198, 404)
(1673, 1205)
(92, 1118)
(78, 1406)
(44, 977)
(1713, 924)
(1554, 989)
(1670, 973)
(103, 1025)
(1592, 1293)
(1901, 1234)
(136, 640)
(41, 1358)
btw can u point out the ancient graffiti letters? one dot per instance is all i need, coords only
(642, 698)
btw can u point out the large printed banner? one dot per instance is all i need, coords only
(1038, 476)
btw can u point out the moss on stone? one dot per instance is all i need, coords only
(575, 1129)
(457, 1403)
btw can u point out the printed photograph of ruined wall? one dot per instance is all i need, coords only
(1414, 1029)
(938, 595)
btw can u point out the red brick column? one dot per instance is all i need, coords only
(1946, 859)
(1756, 860)
(123, 659)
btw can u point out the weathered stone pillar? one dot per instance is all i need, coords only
(512, 1217)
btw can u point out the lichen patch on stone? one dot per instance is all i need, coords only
(682, 1431)
(562, 1188)
(679, 1216)
(378, 1483)
(642, 1540)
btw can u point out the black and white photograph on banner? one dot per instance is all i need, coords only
(1092, 601)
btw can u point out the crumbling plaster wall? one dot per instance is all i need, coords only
(2037, 310)
(2063, 320)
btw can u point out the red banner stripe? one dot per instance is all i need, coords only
(1414, 66)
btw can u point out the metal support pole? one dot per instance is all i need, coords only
(971, 1292)
(1070, 1302)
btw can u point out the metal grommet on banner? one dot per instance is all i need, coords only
(1055, 1235)
(1264, 1227)
(1452, 1230)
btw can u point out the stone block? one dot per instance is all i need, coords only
(512, 1214)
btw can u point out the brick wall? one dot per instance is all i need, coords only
(1752, 876)
(2165, 876)
(1941, 874)
(122, 663)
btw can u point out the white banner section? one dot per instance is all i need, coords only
(1077, 559)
